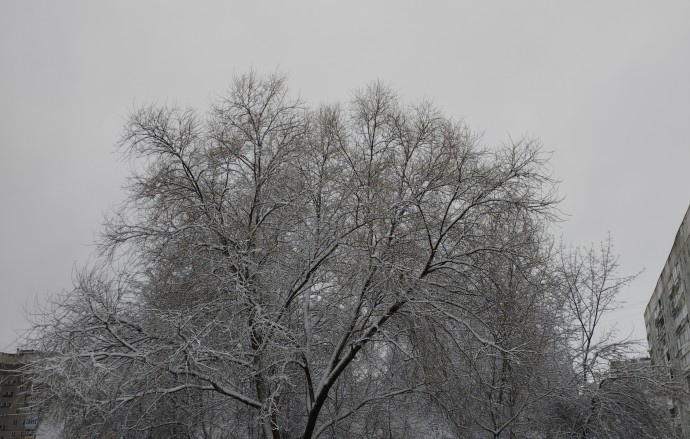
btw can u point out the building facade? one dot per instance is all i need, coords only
(666, 320)
(18, 417)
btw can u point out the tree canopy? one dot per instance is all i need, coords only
(366, 269)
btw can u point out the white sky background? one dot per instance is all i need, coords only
(604, 85)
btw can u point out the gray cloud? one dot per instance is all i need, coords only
(603, 84)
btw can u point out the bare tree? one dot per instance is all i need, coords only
(596, 400)
(270, 259)
(358, 270)
(592, 285)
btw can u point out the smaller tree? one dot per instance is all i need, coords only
(605, 394)
(591, 286)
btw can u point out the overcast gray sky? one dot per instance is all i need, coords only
(604, 85)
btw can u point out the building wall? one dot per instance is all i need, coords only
(17, 417)
(666, 319)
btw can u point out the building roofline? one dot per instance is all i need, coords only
(679, 240)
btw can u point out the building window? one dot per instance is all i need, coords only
(675, 274)
(683, 337)
(680, 313)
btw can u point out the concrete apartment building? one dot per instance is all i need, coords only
(666, 319)
(17, 418)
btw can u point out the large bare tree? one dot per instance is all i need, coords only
(276, 268)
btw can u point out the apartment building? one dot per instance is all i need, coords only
(629, 364)
(666, 319)
(18, 419)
